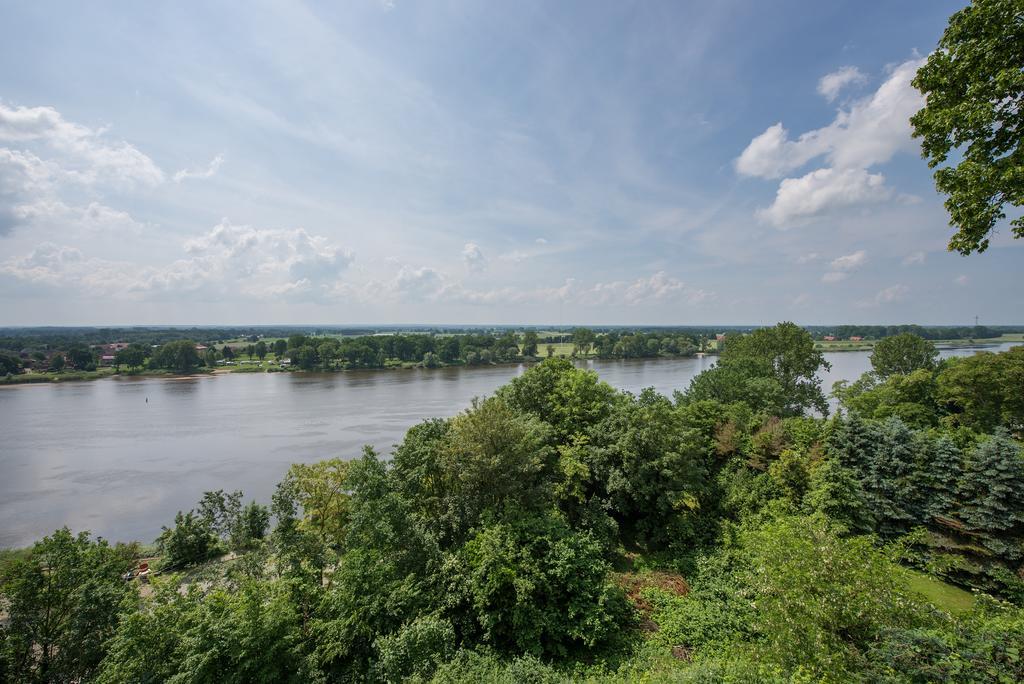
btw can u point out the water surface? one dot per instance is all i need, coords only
(120, 456)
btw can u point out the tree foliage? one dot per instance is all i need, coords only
(63, 600)
(974, 89)
(902, 355)
(561, 530)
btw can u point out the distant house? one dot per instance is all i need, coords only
(201, 348)
(719, 337)
(106, 352)
(856, 338)
(830, 338)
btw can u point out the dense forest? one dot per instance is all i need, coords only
(562, 530)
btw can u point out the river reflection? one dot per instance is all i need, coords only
(99, 456)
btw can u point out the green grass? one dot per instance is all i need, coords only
(868, 345)
(942, 595)
(561, 349)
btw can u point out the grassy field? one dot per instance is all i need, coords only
(32, 377)
(868, 345)
(561, 349)
(944, 596)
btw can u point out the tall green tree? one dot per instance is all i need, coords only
(903, 354)
(63, 602)
(179, 356)
(784, 353)
(582, 340)
(974, 89)
(530, 343)
(992, 489)
(280, 347)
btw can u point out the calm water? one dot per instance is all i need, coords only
(96, 455)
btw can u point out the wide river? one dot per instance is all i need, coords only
(120, 456)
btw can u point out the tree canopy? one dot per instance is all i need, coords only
(974, 89)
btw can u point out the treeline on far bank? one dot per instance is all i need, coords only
(311, 352)
(562, 530)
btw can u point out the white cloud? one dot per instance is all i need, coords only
(541, 241)
(807, 258)
(473, 257)
(417, 283)
(841, 266)
(820, 191)
(516, 256)
(85, 154)
(208, 172)
(240, 259)
(772, 154)
(43, 157)
(425, 283)
(961, 280)
(849, 262)
(887, 295)
(913, 258)
(831, 84)
(867, 133)
(870, 132)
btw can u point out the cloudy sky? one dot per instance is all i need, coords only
(476, 162)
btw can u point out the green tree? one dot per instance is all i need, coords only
(530, 343)
(133, 356)
(63, 600)
(261, 350)
(321, 490)
(304, 357)
(992, 489)
(9, 363)
(493, 459)
(249, 634)
(532, 585)
(190, 541)
(911, 398)
(974, 87)
(903, 354)
(328, 351)
(239, 526)
(971, 391)
(836, 492)
(57, 363)
(80, 357)
(179, 356)
(747, 380)
(820, 598)
(786, 353)
(582, 340)
(280, 347)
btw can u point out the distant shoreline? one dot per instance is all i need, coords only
(839, 346)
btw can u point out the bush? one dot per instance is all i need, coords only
(190, 541)
(532, 585)
(415, 650)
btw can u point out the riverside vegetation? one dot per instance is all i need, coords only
(562, 530)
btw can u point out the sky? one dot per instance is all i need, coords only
(375, 161)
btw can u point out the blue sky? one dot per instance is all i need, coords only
(476, 162)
